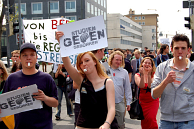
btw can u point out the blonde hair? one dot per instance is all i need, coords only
(137, 51)
(5, 73)
(99, 69)
(153, 65)
(15, 52)
(112, 57)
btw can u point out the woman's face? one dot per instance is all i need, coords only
(87, 63)
(146, 64)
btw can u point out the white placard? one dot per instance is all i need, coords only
(20, 100)
(82, 36)
(42, 34)
(165, 41)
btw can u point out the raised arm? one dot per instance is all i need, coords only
(157, 91)
(110, 104)
(70, 69)
(139, 80)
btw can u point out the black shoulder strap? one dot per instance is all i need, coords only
(105, 82)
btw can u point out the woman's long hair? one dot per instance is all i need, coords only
(153, 65)
(4, 74)
(99, 69)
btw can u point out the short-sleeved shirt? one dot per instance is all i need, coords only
(38, 118)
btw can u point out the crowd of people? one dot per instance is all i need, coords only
(106, 82)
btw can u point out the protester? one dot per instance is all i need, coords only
(135, 63)
(97, 108)
(143, 79)
(16, 61)
(4, 75)
(149, 54)
(163, 56)
(122, 86)
(128, 65)
(145, 50)
(44, 65)
(61, 76)
(129, 54)
(173, 82)
(47, 91)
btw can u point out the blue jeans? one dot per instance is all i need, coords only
(176, 125)
(62, 90)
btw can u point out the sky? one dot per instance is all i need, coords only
(171, 12)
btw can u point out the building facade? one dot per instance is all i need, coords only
(48, 9)
(123, 33)
(149, 22)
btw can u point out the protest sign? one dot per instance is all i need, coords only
(20, 100)
(42, 34)
(84, 35)
(165, 41)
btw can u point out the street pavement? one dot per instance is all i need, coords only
(67, 122)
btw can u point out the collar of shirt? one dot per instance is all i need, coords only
(174, 67)
(116, 69)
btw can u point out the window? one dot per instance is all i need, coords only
(102, 1)
(52, 17)
(153, 31)
(153, 37)
(37, 18)
(92, 9)
(98, 1)
(95, 0)
(70, 6)
(23, 8)
(139, 18)
(71, 17)
(102, 13)
(96, 11)
(135, 18)
(54, 7)
(139, 23)
(105, 3)
(153, 44)
(105, 16)
(37, 8)
(88, 7)
(143, 17)
(143, 23)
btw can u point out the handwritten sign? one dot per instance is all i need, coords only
(20, 100)
(42, 34)
(82, 36)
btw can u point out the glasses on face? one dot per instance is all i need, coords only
(1, 67)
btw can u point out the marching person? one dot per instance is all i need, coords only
(16, 61)
(150, 106)
(47, 91)
(3, 77)
(61, 76)
(97, 109)
(173, 82)
(122, 86)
